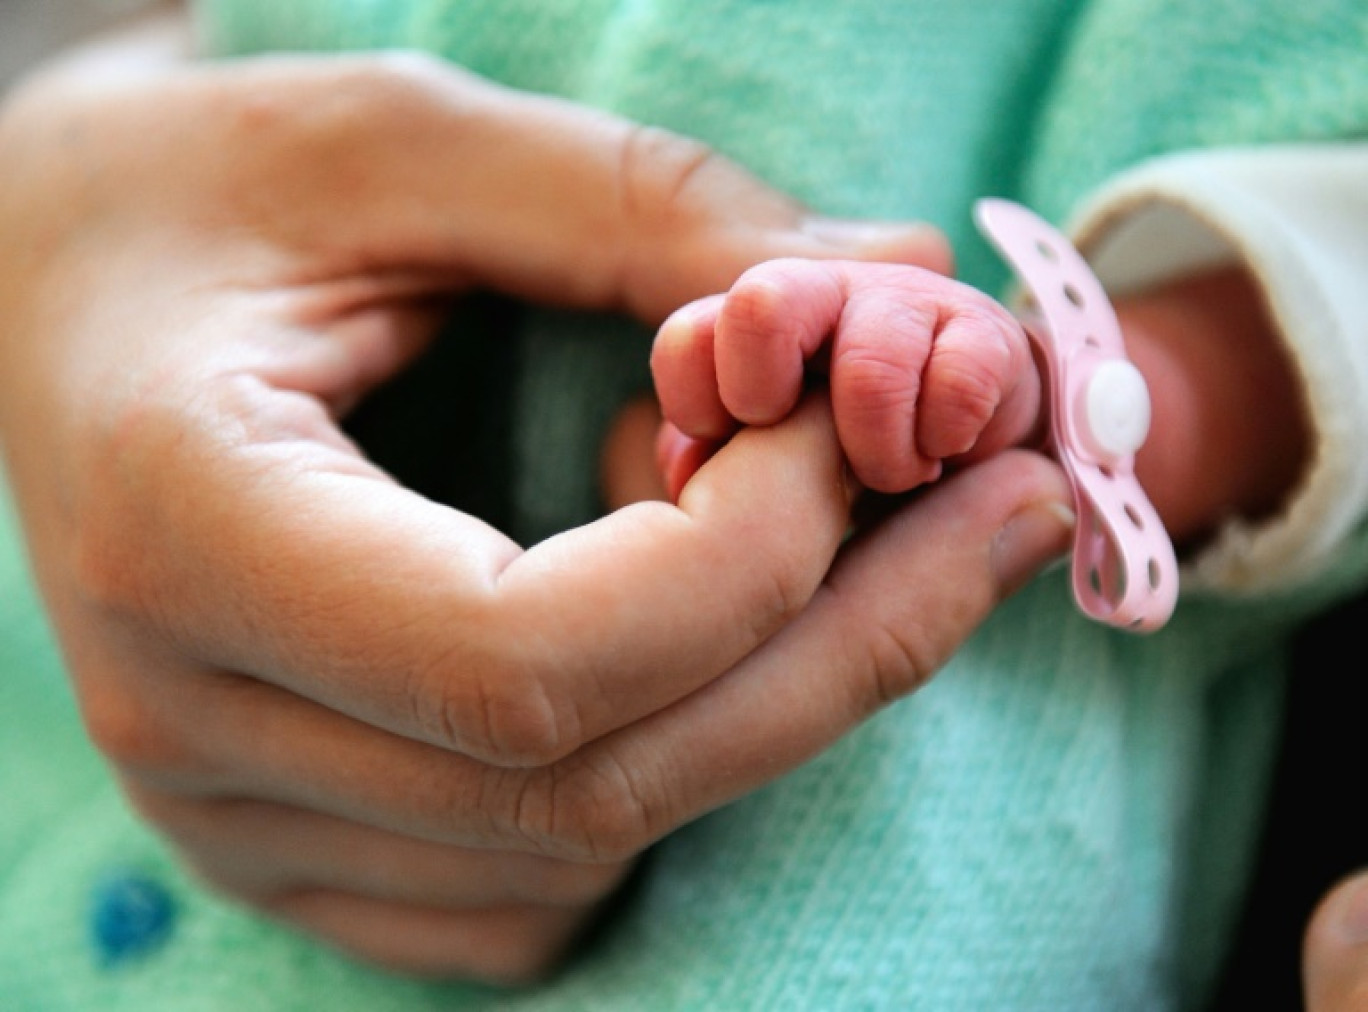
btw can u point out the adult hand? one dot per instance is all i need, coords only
(351, 707)
(1335, 952)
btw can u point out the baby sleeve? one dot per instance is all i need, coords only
(1296, 215)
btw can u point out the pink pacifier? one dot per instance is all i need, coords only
(1124, 569)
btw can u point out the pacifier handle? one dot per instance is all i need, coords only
(1124, 569)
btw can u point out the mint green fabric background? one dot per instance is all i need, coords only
(1062, 820)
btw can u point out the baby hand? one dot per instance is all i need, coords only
(922, 368)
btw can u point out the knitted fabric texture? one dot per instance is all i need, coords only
(1064, 818)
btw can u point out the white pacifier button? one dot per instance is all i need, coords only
(1116, 409)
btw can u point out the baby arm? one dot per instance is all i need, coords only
(1230, 434)
(922, 368)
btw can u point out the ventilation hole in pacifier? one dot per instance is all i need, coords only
(1134, 516)
(1046, 251)
(1155, 573)
(1107, 582)
(1073, 295)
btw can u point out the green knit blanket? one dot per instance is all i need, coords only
(1062, 820)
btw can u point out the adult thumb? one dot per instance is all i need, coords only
(525, 193)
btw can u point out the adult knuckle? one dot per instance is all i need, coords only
(590, 811)
(896, 662)
(780, 593)
(127, 731)
(680, 198)
(659, 170)
(516, 722)
(498, 710)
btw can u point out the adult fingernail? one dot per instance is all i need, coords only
(1351, 913)
(852, 232)
(1032, 538)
